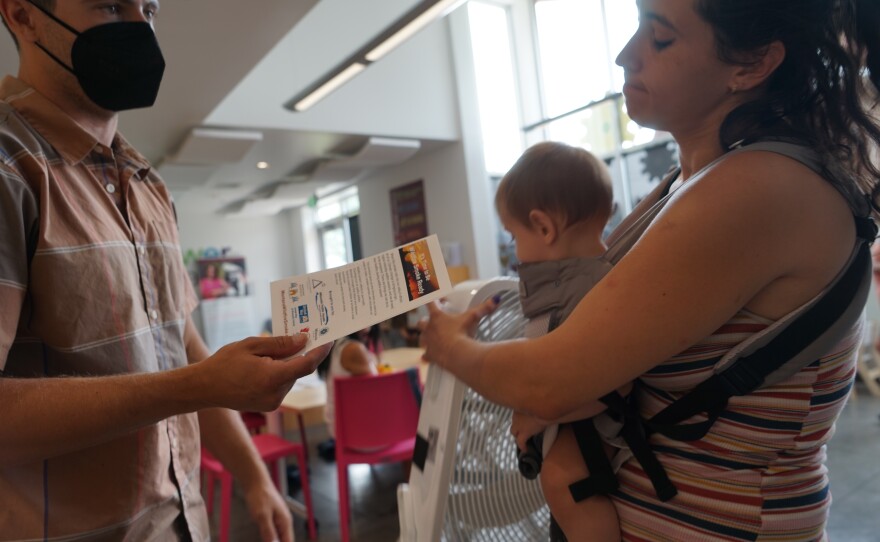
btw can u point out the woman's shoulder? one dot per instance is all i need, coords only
(793, 224)
(765, 181)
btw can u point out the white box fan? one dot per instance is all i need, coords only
(465, 482)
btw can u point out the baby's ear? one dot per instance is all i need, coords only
(544, 225)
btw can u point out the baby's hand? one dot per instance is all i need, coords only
(522, 427)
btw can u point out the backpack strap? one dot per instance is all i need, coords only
(601, 479)
(636, 437)
(783, 349)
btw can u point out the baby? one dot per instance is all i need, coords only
(555, 202)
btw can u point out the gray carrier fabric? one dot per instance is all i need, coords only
(562, 283)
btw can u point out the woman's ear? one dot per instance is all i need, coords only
(758, 68)
(544, 225)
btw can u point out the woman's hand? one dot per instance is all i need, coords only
(446, 337)
(523, 427)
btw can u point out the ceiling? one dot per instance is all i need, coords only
(231, 67)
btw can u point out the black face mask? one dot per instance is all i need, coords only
(118, 65)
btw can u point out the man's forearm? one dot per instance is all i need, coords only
(47, 417)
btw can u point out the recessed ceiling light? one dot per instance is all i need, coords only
(262, 165)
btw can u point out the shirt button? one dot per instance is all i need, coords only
(142, 250)
(154, 315)
(111, 188)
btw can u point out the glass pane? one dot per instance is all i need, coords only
(335, 248)
(647, 167)
(573, 54)
(622, 18)
(328, 212)
(352, 204)
(496, 85)
(634, 135)
(592, 129)
(507, 261)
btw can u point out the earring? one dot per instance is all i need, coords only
(733, 89)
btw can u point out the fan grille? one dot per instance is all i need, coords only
(489, 500)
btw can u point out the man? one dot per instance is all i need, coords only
(98, 436)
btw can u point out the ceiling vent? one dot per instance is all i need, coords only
(328, 172)
(376, 152)
(211, 146)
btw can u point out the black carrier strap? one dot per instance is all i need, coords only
(636, 437)
(750, 372)
(601, 479)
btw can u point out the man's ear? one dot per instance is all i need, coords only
(18, 15)
(758, 69)
(544, 225)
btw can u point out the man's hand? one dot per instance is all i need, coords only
(270, 513)
(256, 373)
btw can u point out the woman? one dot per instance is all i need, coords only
(744, 240)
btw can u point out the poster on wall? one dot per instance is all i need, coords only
(222, 277)
(408, 216)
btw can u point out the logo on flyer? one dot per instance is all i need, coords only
(303, 314)
(323, 313)
(294, 292)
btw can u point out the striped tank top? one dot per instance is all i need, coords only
(759, 473)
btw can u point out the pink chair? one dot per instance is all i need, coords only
(271, 448)
(254, 421)
(376, 413)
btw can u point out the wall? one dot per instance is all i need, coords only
(265, 243)
(447, 199)
(304, 241)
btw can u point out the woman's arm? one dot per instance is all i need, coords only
(357, 360)
(760, 232)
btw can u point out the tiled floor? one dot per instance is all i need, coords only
(853, 462)
(854, 469)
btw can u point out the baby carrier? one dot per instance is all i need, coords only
(764, 359)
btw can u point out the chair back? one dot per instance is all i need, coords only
(373, 412)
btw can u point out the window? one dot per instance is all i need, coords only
(569, 87)
(336, 218)
(494, 62)
(572, 53)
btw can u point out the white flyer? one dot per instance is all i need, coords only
(333, 303)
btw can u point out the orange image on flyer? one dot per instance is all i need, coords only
(418, 269)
